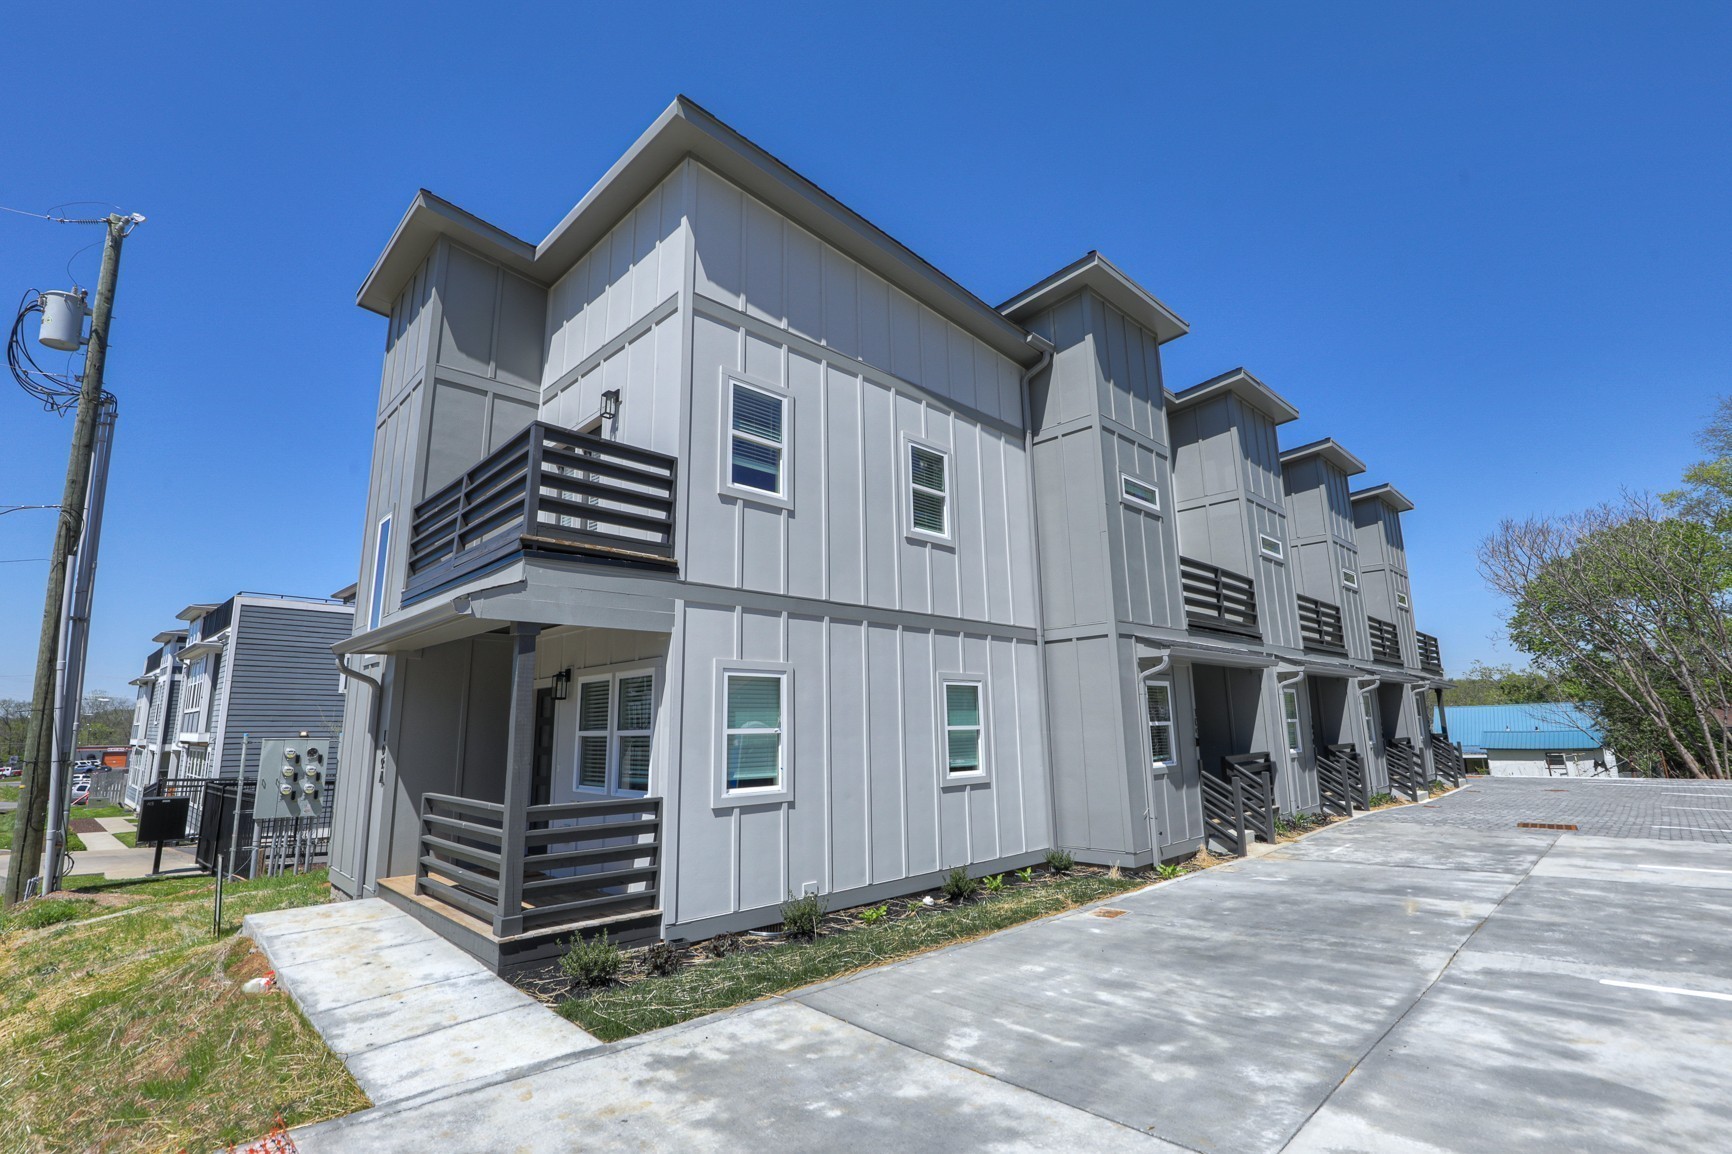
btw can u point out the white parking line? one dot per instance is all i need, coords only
(1685, 869)
(1700, 808)
(1697, 828)
(1667, 989)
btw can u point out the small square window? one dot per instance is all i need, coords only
(928, 491)
(1349, 579)
(964, 742)
(755, 438)
(1401, 601)
(1140, 492)
(1271, 546)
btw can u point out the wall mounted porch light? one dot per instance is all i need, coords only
(562, 685)
(610, 404)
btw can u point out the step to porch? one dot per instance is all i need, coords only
(410, 1015)
(514, 952)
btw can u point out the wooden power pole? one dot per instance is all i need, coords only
(32, 817)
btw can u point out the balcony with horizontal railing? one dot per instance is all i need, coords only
(547, 490)
(1430, 656)
(1320, 628)
(1385, 641)
(1218, 599)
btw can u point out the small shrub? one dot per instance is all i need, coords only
(1026, 873)
(802, 917)
(592, 962)
(661, 959)
(959, 887)
(1380, 799)
(993, 884)
(1283, 824)
(1059, 862)
(722, 945)
(872, 913)
(1167, 871)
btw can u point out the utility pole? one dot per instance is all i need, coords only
(39, 764)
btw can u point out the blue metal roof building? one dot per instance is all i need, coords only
(1545, 726)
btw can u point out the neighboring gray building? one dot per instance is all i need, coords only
(155, 738)
(719, 549)
(257, 666)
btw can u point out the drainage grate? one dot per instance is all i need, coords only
(1543, 825)
(1109, 913)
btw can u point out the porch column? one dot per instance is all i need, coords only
(519, 769)
(1442, 716)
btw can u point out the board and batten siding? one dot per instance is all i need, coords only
(282, 679)
(864, 367)
(870, 805)
(1383, 565)
(1320, 522)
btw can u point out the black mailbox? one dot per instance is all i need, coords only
(162, 819)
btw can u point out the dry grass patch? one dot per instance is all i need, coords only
(127, 1029)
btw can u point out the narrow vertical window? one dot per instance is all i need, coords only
(753, 731)
(929, 502)
(1290, 717)
(636, 708)
(1158, 697)
(1369, 708)
(755, 420)
(381, 566)
(962, 728)
(592, 733)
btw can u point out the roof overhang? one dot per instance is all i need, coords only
(684, 129)
(1388, 494)
(1096, 272)
(1248, 388)
(195, 611)
(168, 635)
(1330, 450)
(202, 648)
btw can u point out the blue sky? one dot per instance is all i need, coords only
(1489, 248)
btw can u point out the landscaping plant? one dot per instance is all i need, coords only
(1059, 862)
(661, 959)
(1167, 871)
(993, 884)
(959, 887)
(802, 917)
(1026, 873)
(591, 962)
(872, 913)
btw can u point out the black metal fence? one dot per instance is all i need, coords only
(265, 847)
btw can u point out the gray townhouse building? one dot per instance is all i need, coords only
(719, 549)
(256, 665)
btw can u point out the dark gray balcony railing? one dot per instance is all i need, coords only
(546, 490)
(1430, 656)
(1218, 599)
(1320, 626)
(1385, 641)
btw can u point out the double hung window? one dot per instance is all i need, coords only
(964, 735)
(928, 491)
(1158, 699)
(753, 731)
(615, 719)
(1290, 718)
(757, 422)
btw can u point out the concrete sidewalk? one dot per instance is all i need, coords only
(413, 1017)
(1391, 985)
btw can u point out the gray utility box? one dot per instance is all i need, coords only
(292, 778)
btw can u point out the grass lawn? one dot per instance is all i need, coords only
(74, 844)
(716, 984)
(127, 838)
(125, 1027)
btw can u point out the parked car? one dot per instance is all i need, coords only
(10, 771)
(81, 792)
(88, 765)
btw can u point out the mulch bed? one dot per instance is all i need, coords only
(86, 825)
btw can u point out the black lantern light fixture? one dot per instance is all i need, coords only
(562, 685)
(610, 404)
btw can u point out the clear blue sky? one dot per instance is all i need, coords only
(1488, 248)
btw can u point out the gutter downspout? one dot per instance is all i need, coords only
(1046, 349)
(378, 752)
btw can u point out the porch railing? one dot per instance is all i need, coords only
(1430, 656)
(1406, 770)
(1239, 801)
(546, 489)
(1385, 641)
(1218, 599)
(1447, 763)
(582, 860)
(1320, 627)
(1341, 782)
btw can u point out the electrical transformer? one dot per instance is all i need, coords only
(292, 778)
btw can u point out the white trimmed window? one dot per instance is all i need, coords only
(615, 720)
(1349, 579)
(1270, 546)
(752, 731)
(1140, 493)
(1401, 601)
(757, 422)
(1290, 718)
(928, 491)
(381, 567)
(1158, 699)
(964, 734)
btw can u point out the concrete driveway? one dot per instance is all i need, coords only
(1403, 982)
